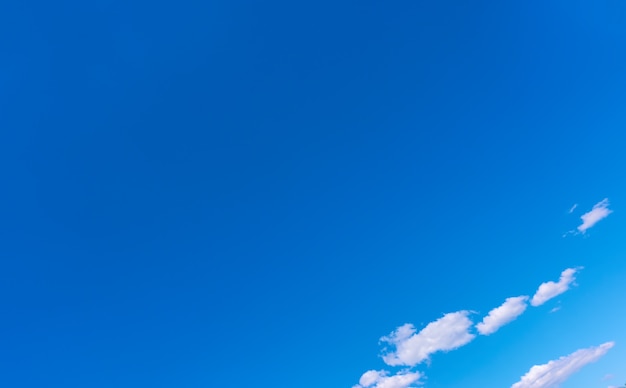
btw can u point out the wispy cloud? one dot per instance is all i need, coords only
(381, 379)
(500, 316)
(549, 290)
(607, 377)
(447, 333)
(599, 212)
(571, 210)
(557, 371)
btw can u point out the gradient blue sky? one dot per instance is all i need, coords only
(250, 194)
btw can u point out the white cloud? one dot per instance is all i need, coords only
(381, 379)
(600, 211)
(447, 333)
(549, 290)
(500, 316)
(557, 371)
(571, 210)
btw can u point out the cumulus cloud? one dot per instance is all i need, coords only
(549, 290)
(599, 211)
(447, 333)
(500, 316)
(381, 379)
(557, 371)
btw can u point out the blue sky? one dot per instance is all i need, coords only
(253, 194)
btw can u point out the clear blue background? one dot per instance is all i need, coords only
(236, 194)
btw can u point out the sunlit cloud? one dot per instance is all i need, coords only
(557, 371)
(411, 348)
(549, 290)
(382, 379)
(599, 212)
(500, 316)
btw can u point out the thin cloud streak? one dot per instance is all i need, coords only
(557, 371)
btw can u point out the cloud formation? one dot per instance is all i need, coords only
(557, 371)
(407, 347)
(381, 379)
(447, 333)
(599, 211)
(549, 290)
(500, 316)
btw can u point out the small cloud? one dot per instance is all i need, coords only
(500, 316)
(549, 290)
(555, 309)
(571, 210)
(557, 371)
(381, 379)
(599, 212)
(447, 333)
(607, 377)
